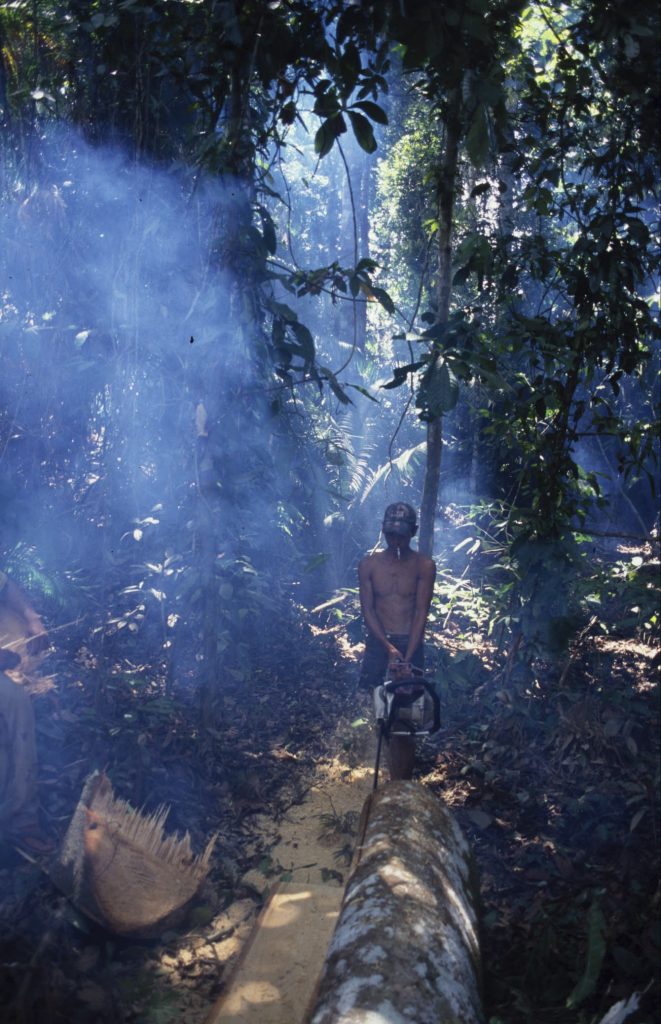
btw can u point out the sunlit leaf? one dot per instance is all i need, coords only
(621, 1010)
(363, 391)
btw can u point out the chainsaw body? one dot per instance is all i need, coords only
(407, 706)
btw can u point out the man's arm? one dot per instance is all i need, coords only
(423, 595)
(370, 616)
(14, 598)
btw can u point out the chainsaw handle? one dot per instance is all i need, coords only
(408, 672)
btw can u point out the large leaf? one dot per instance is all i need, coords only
(402, 464)
(327, 133)
(335, 385)
(400, 373)
(362, 129)
(268, 228)
(382, 296)
(439, 390)
(363, 391)
(594, 957)
(323, 140)
(477, 139)
(374, 111)
(326, 104)
(305, 340)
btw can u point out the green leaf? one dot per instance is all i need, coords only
(316, 562)
(477, 139)
(348, 68)
(363, 391)
(400, 373)
(403, 465)
(281, 309)
(366, 264)
(382, 296)
(439, 390)
(268, 228)
(327, 104)
(323, 140)
(335, 386)
(362, 129)
(305, 340)
(374, 111)
(199, 917)
(594, 958)
(461, 276)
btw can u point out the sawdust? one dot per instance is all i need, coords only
(313, 840)
(311, 844)
(309, 849)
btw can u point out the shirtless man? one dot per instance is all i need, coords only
(396, 588)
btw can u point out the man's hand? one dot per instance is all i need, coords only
(397, 667)
(394, 655)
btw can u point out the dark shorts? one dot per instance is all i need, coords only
(375, 659)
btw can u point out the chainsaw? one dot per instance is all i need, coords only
(405, 705)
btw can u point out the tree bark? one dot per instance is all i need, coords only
(406, 945)
(431, 486)
(446, 194)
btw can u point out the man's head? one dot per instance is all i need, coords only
(399, 519)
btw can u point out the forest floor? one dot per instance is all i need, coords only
(554, 782)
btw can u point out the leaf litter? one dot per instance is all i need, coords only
(557, 790)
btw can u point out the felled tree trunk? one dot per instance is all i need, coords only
(406, 943)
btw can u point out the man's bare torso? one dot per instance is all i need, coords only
(394, 583)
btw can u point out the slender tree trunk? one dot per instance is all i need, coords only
(5, 118)
(5, 115)
(363, 202)
(446, 194)
(211, 527)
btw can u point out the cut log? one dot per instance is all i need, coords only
(273, 980)
(406, 945)
(119, 867)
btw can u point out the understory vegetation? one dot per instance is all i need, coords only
(265, 268)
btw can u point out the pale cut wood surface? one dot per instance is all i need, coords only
(275, 977)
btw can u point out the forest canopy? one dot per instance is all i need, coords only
(345, 250)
